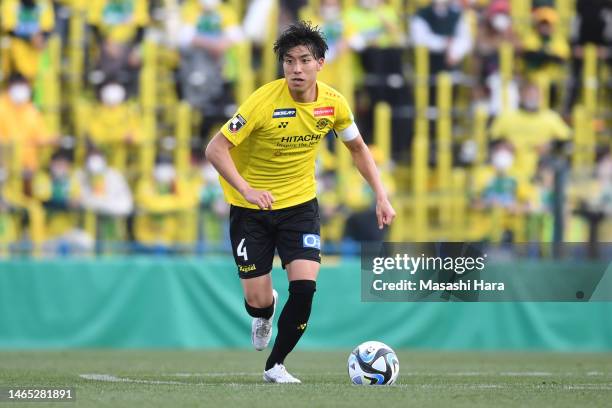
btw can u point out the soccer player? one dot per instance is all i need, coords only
(266, 155)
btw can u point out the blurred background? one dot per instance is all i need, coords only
(490, 121)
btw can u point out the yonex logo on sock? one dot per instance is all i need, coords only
(312, 241)
(302, 326)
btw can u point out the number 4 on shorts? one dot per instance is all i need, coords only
(241, 250)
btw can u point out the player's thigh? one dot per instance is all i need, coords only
(298, 235)
(253, 242)
(302, 269)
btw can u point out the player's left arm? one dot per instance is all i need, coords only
(365, 164)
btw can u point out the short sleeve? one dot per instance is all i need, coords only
(560, 129)
(246, 119)
(345, 122)
(344, 117)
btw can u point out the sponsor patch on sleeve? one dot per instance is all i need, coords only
(311, 241)
(284, 113)
(236, 123)
(324, 111)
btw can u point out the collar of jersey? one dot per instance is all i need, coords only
(286, 91)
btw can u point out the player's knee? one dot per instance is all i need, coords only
(303, 287)
(258, 299)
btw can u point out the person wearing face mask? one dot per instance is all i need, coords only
(162, 200)
(442, 28)
(115, 125)
(503, 199)
(58, 192)
(28, 24)
(22, 127)
(118, 27)
(105, 192)
(501, 190)
(493, 31)
(209, 65)
(530, 130)
(545, 49)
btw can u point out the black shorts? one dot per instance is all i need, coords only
(255, 234)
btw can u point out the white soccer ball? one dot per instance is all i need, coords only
(373, 363)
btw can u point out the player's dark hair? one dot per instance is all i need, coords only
(301, 33)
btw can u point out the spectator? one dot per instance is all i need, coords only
(545, 50)
(443, 29)
(115, 126)
(22, 126)
(28, 24)
(330, 18)
(530, 130)
(210, 30)
(103, 189)
(105, 193)
(594, 26)
(374, 32)
(495, 29)
(257, 16)
(118, 28)
(161, 200)
(502, 189)
(58, 191)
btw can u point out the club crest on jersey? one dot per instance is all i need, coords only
(236, 123)
(323, 123)
(284, 113)
(324, 111)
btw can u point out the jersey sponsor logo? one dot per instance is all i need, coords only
(324, 111)
(284, 113)
(236, 123)
(302, 138)
(311, 241)
(283, 125)
(247, 268)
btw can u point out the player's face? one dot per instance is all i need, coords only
(300, 68)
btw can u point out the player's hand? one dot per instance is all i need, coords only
(261, 198)
(384, 212)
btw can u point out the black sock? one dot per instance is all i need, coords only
(265, 312)
(293, 320)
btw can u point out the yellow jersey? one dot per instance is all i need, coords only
(118, 20)
(526, 131)
(276, 141)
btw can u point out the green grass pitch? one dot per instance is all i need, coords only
(228, 379)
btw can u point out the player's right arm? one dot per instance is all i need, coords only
(218, 153)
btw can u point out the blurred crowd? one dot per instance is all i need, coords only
(106, 106)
